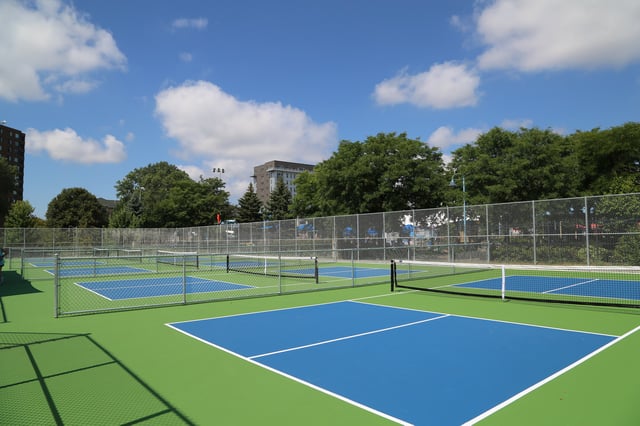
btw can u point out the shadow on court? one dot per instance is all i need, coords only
(12, 285)
(50, 378)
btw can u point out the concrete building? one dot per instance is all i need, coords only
(12, 142)
(265, 177)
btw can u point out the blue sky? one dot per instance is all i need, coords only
(102, 88)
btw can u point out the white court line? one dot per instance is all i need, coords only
(547, 380)
(371, 409)
(294, 378)
(569, 286)
(353, 336)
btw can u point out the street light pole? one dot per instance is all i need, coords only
(218, 216)
(219, 171)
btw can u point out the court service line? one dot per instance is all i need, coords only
(569, 286)
(353, 336)
(547, 380)
(289, 376)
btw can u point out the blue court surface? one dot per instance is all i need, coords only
(409, 366)
(587, 287)
(50, 263)
(152, 287)
(98, 270)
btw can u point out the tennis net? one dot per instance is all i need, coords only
(593, 285)
(178, 258)
(275, 266)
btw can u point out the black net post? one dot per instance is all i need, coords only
(392, 275)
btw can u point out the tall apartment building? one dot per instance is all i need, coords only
(12, 143)
(265, 177)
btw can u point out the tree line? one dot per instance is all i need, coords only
(385, 172)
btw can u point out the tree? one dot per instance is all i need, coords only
(608, 158)
(161, 195)
(307, 204)
(505, 166)
(279, 202)
(76, 207)
(249, 207)
(385, 172)
(8, 174)
(21, 216)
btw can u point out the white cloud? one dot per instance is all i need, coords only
(446, 85)
(534, 35)
(196, 23)
(185, 57)
(221, 131)
(76, 86)
(194, 172)
(67, 145)
(516, 123)
(50, 46)
(460, 23)
(445, 137)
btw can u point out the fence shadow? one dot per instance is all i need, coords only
(13, 284)
(50, 378)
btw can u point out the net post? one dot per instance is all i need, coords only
(392, 274)
(227, 263)
(504, 283)
(316, 272)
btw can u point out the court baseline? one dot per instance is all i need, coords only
(410, 366)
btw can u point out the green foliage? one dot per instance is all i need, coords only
(385, 172)
(21, 216)
(618, 214)
(279, 202)
(76, 207)
(162, 196)
(307, 201)
(249, 207)
(609, 158)
(627, 250)
(504, 166)
(511, 252)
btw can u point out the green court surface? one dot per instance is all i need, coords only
(129, 367)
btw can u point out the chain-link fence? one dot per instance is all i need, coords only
(585, 231)
(602, 230)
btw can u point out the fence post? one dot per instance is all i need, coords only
(586, 230)
(184, 279)
(486, 214)
(56, 283)
(280, 271)
(535, 233)
(449, 236)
